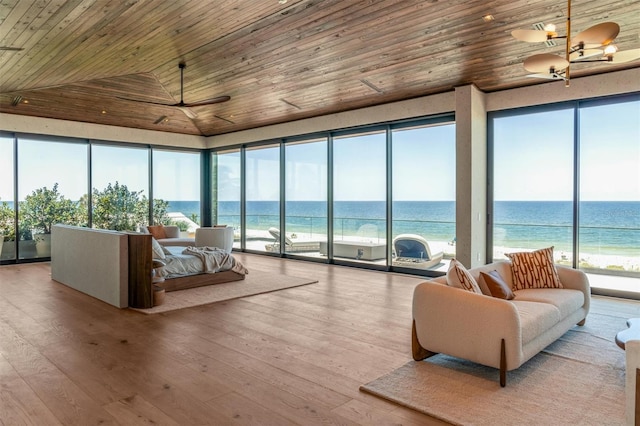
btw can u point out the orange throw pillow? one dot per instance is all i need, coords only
(497, 286)
(157, 231)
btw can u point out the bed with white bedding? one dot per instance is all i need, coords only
(188, 267)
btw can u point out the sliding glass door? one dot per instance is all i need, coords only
(120, 194)
(7, 196)
(226, 178)
(262, 177)
(305, 197)
(52, 189)
(424, 192)
(176, 189)
(609, 231)
(360, 194)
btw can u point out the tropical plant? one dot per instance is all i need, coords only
(7, 222)
(45, 207)
(118, 208)
(160, 212)
(182, 226)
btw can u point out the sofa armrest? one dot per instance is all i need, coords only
(466, 325)
(576, 280)
(172, 231)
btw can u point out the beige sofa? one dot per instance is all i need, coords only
(173, 238)
(491, 331)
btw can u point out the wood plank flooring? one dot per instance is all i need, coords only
(292, 357)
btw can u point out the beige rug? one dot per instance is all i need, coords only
(578, 380)
(256, 282)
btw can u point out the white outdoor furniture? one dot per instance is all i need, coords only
(221, 237)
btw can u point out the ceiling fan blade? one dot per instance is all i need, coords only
(548, 76)
(146, 102)
(625, 56)
(545, 63)
(212, 101)
(585, 55)
(530, 36)
(11, 49)
(188, 112)
(596, 36)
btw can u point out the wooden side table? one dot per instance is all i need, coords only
(157, 279)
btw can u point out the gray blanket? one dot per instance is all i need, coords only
(215, 260)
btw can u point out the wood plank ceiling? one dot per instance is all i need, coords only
(278, 61)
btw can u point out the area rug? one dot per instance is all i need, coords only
(577, 380)
(256, 282)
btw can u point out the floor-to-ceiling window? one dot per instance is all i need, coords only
(120, 193)
(7, 197)
(305, 196)
(226, 179)
(176, 189)
(52, 188)
(609, 208)
(424, 192)
(360, 197)
(262, 186)
(568, 176)
(533, 182)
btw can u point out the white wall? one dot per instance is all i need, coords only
(75, 129)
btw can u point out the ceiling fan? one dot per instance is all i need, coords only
(185, 107)
(591, 45)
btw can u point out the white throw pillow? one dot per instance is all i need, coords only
(158, 253)
(458, 276)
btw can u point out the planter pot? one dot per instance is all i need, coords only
(43, 245)
(27, 249)
(8, 250)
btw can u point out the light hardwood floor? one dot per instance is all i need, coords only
(296, 356)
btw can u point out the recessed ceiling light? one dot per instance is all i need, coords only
(488, 18)
(282, 1)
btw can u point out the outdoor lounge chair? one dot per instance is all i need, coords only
(413, 251)
(291, 246)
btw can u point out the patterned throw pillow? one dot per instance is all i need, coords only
(458, 276)
(497, 286)
(534, 269)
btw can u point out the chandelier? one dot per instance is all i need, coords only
(595, 44)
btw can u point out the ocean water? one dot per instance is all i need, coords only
(611, 228)
(605, 227)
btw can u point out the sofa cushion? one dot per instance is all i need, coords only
(566, 300)
(535, 318)
(534, 269)
(496, 284)
(458, 276)
(157, 231)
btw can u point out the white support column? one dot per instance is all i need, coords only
(471, 176)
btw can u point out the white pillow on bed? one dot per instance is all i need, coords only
(158, 252)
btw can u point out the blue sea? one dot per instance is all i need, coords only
(606, 227)
(611, 228)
